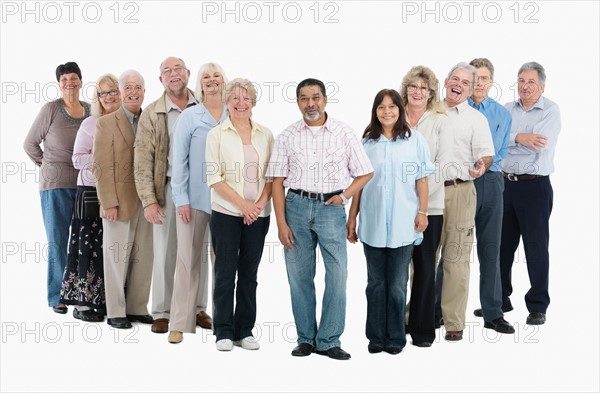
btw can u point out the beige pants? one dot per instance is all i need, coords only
(456, 245)
(127, 262)
(165, 260)
(191, 271)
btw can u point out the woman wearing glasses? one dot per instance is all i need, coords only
(83, 281)
(56, 127)
(237, 154)
(426, 114)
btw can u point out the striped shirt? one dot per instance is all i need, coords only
(322, 159)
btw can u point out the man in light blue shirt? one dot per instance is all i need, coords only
(528, 193)
(488, 213)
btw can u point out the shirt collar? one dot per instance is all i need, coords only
(458, 108)
(227, 125)
(169, 105)
(483, 105)
(326, 126)
(540, 103)
(130, 116)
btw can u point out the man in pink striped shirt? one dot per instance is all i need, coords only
(323, 163)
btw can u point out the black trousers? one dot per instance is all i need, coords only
(238, 249)
(527, 208)
(422, 299)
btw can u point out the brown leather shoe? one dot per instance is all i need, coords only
(456, 335)
(204, 320)
(160, 325)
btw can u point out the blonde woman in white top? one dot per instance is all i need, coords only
(237, 155)
(426, 114)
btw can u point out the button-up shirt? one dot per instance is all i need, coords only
(225, 161)
(189, 183)
(322, 160)
(472, 141)
(173, 112)
(542, 118)
(389, 201)
(133, 119)
(500, 121)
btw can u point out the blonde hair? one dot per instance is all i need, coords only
(428, 76)
(110, 79)
(204, 68)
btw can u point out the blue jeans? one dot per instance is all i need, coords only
(312, 222)
(57, 211)
(386, 295)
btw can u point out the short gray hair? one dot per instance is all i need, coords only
(467, 67)
(483, 62)
(129, 73)
(204, 68)
(244, 84)
(534, 66)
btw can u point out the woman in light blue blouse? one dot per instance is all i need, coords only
(393, 216)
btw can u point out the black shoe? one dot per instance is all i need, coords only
(101, 311)
(393, 350)
(60, 309)
(87, 316)
(119, 323)
(479, 312)
(439, 321)
(374, 348)
(536, 318)
(303, 349)
(147, 319)
(500, 325)
(336, 353)
(422, 344)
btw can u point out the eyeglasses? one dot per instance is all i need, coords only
(130, 88)
(111, 93)
(176, 69)
(412, 88)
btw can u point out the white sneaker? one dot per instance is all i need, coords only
(224, 345)
(249, 342)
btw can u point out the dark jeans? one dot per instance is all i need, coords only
(488, 225)
(527, 208)
(238, 249)
(421, 320)
(386, 295)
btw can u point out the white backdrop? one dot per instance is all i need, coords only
(358, 48)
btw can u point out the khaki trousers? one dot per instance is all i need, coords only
(191, 271)
(127, 263)
(456, 245)
(165, 260)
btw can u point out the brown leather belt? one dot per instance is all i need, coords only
(513, 177)
(455, 182)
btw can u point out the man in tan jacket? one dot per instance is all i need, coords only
(152, 157)
(127, 235)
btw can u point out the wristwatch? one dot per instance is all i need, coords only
(344, 199)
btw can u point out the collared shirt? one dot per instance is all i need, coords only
(500, 121)
(435, 128)
(133, 119)
(389, 201)
(320, 161)
(472, 141)
(225, 161)
(189, 183)
(542, 118)
(173, 112)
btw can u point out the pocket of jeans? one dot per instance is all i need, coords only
(290, 196)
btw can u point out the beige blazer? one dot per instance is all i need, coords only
(113, 164)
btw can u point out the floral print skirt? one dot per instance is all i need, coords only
(83, 280)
